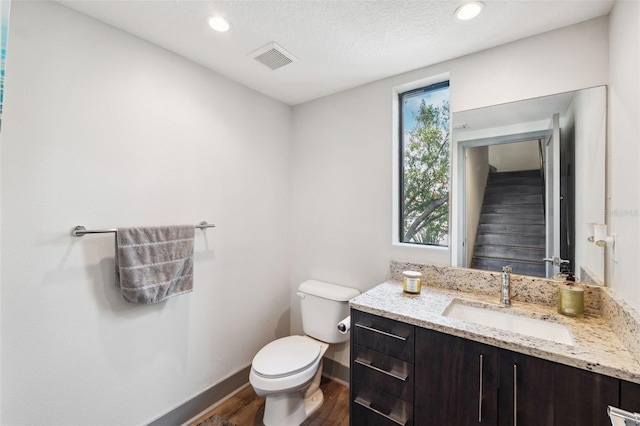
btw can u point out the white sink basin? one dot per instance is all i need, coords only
(508, 321)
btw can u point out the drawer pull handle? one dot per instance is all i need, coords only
(480, 394)
(515, 395)
(395, 336)
(368, 406)
(373, 367)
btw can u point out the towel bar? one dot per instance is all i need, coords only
(80, 230)
(619, 416)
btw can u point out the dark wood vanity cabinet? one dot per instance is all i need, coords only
(406, 375)
(466, 383)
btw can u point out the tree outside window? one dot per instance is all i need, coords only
(425, 142)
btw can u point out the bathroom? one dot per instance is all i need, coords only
(103, 129)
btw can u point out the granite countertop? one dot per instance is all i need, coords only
(596, 346)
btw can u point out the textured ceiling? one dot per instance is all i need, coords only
(340, 44)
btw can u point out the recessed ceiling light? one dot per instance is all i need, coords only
(219, 23)
(469, 10)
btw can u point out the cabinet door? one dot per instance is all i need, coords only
(582, 396)
(535, 392)
(455, 381)
(526, 397)
(630, 396)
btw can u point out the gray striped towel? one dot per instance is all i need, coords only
(154, 263)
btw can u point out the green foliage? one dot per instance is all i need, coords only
(426, 176)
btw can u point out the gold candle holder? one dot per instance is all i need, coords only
(571, 300)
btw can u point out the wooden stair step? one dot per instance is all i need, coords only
(510, 252)
(514, 208)
(508, 181)
(517, 240)
(519, 173)
(514, 190)
(515, 219)
(536, 269)
(486, 228)
(512, 199)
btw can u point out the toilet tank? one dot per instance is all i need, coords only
(323, 306)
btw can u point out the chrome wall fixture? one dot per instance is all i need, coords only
(80, 230)
(622, 417)
(601, 238)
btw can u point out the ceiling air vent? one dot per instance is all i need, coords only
(273, 56)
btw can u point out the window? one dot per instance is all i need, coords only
(424, 165)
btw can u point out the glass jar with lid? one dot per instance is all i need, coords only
(411, 282)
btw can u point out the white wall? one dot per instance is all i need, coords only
(342, 169)
(477, 171)
(623, 174)
(517, 156)
(104, 130)
(341, 208)
(588, 116)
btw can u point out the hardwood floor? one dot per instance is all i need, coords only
(246, 408)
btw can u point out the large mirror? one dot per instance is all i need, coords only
(531, 184)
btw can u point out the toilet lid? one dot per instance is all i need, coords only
(286, 356)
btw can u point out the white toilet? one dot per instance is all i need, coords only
(287, 371)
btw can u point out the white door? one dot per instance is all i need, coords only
(552, 196)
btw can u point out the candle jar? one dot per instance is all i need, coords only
(411, 282)
(570, 300)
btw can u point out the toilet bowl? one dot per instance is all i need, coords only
(287, 371)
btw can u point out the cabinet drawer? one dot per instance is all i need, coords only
(382, 372)
(390, 337)
(370, 407)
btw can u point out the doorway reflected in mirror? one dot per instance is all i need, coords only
(531, 181)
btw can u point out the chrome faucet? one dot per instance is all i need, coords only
(506, 285)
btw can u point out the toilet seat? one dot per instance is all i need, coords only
(286, 357)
